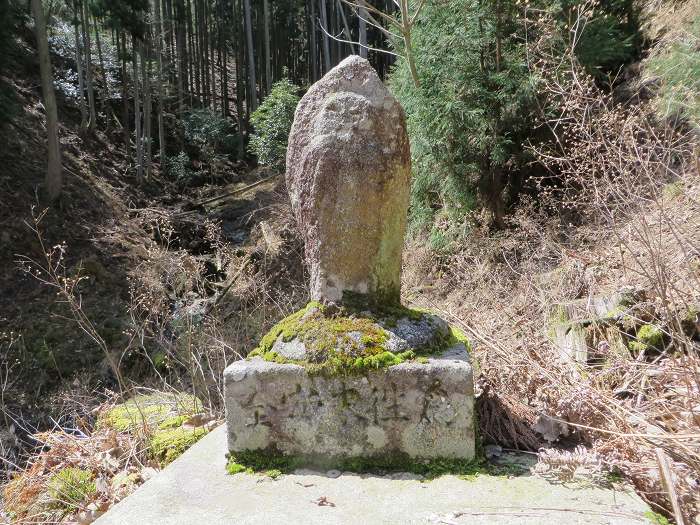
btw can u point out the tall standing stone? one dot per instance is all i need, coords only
(327, 384)
(348, 176)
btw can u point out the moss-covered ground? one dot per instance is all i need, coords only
(349, 339)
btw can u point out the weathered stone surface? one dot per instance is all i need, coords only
(421, 332)
(348, 176)
(424, 410)
(578, 328)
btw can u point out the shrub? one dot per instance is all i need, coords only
(272, 122)
(469, 117)
(179, 166)
(206, 129)
(610, 36)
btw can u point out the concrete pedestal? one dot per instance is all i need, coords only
(419, 410)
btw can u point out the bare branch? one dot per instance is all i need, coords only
(357, 43)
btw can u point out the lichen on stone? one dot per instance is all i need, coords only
(355, 338)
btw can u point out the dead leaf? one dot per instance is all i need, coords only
(324, 502)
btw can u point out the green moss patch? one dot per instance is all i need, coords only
(269, 462)
(169, 444)
(71, 488)
(159, 419)
(348, 339)
(147, 412)
(648, 336)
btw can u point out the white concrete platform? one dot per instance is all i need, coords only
(195, 489)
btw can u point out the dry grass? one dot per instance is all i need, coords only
(621, 212)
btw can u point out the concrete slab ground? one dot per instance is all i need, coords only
(195, 489)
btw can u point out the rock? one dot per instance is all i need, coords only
(493, 451)
(550, 429)
(417, 333)
(421, 410)
(333, 474)
(348, 176)
(293, 349)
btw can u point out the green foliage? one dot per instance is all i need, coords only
(207, 129)
(678, 68)
(209, 138)
(70, 487)
(158, 410)
(129, 15)
(179, 166)
(272, 122)
(9, 16)
(611, 37)
(470, 116)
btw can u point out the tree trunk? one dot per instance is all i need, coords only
(240, 85)
(212, 60)
(103, 71)
(312, 41)
(79, 67)
(54, 172)
(169, 44)
(346, 27)
(324, 38)
(147, 104)
(161, 81)
(190, 46)
(181, 59)
(125, 95)
(137, 112)
(363, 32)
(266, 32)
(251, 56)
(88, 65)
(199, 77)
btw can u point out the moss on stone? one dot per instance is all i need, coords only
(648, 336)
(168, 444)
(70, 487)
(159, 419)
(173, 422)
(146, 412)
(263, 461)
(458, 336)
(350, 340)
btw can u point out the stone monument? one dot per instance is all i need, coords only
(353, 374)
